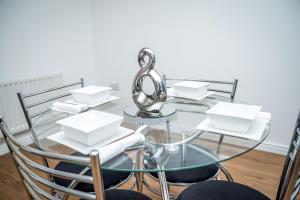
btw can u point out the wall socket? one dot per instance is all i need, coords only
(114, 86)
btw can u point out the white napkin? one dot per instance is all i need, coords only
(137, 137)
(111, 150)
(69, 107)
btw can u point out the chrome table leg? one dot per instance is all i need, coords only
(139, 181)
(220, 143)
(163, 185)
(168, 132)
(139, 176)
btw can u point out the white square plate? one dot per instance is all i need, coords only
(111, 98)
(235, 110)
(61, 138)
(172, 93)
(232, 116)
(190, 89)
(190, 84)
(90, 127)
(255, 132)
(91, 90)
(91, 94)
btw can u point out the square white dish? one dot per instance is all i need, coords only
(60, 137)
(172, 93)
(255, 132)
(90, 127)
(232, 116)
(91, 94)
(111, 98)
(190, 89)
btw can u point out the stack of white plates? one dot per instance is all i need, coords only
(236, 120)
(232, 116)
(96, 130)
(91, 94)
(91, 127)
(193, 90)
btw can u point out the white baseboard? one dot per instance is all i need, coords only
(273, 148)
(265, 146)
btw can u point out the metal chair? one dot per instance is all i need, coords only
(186, 178)
(222, 190)
(42, 107)
(230, 85)
(35, 176)
(28, 108)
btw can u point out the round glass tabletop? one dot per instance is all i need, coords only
(172, 144)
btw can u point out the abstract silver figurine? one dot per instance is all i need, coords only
(149, 103)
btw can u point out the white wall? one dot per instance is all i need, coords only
(255, 41)
(43, 37)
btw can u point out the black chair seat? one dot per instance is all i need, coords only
(190, 175)
(109, 178)
(118, 194)
(221, 190)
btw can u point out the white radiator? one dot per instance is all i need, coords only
(10, 107)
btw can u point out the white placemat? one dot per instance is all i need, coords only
(172, 93)
(111, 98)
(61, 138)
(255, 132)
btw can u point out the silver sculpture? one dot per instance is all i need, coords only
(148, 103)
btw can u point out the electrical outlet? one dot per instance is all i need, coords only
(114, 86)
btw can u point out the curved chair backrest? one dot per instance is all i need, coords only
(231, 91)
(38, 95)
(36, 108)
(41, 187)
(290, 179)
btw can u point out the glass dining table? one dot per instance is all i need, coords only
(172, 144)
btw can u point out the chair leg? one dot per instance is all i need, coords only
(163, 185)
(139, 181)
(225, 172)
(220, 143)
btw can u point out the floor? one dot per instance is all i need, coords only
(257, 169)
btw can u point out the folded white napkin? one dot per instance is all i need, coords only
(69, 107)
(110, 151)
(113, 149)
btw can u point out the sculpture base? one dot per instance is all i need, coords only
(167, 113)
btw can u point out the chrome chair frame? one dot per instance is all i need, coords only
(26, 108)
(232, 94)
(29, 177)
(290, 179)
(29, 117)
